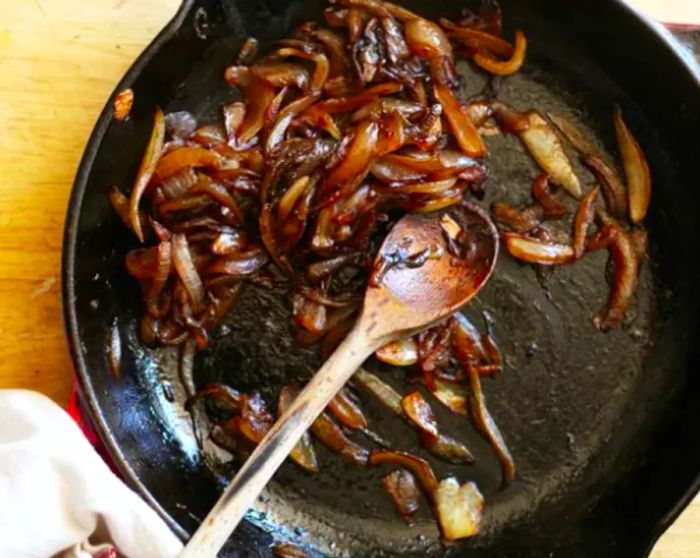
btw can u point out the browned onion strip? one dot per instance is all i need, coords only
(419, 467)
(542, 192)
(626, 275)
(146, 170)
(582, 221)
(345, 177)
(217, 192)
(478, 40)
(183, 158)
(121, 205)
(288, 550)
(347, 411)
(487, 426)
(258, 94)
(285, 117)
(575, 137)
(332, 436)
(419, 411)
(636, 169)
(322, 65)
(375, 387)
(427, 40)
(160, 277)
(464, 131)
(303, 452)
(182, 259)
(401, 487)
(521, 221)
(335, 49)
(239, 264)
(504, 67)
(538, 252)
(613, 189)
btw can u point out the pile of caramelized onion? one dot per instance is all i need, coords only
(341, 130)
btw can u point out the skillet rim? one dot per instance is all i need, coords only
(86, 392)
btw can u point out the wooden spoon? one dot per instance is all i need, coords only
(404, 301)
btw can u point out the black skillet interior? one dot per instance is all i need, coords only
(601, 426)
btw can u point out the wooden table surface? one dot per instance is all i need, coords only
(59, 61)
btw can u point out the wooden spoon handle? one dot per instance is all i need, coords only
(255, 473)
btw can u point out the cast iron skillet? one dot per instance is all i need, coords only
(603, 427)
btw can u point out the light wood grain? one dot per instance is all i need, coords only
(59, 61)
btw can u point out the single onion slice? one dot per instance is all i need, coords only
(458, 508)
(452, 395)
(347, 411)
(183, 158)
(402, 352)
(160, 277)
(447, 449)
(334, 46)
(289, 550)
(319, 59)
(383, 392)
(521, 221)
(309, 314)
(421, 414)
(146, 170)
(484, 423)
(419, 467)
(403, 491)
(255, 421)
(184, 265)
(582, 221)
(239, 264)
(574, 136)
(332, 436)
(542, 192)
(543, 144)
(343, 179)
(427, 40)
(535, 251)
(142, 263)
(477, 40)
(121, 205)
(636, 169)
(614, 191)
(258, 95)
(220, 194)
(122, 104)
(222, 299)
(626, 264)
(284, 119)
(464, 131)
(303, 452)
(282, 74)
(504, 67)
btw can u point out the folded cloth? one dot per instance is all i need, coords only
(58, 498)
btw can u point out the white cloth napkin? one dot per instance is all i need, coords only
(57, 496)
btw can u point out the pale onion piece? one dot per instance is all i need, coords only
(458, 509)
(543, 144)
(402, 352)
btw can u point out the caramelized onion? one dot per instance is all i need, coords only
(538, 252)
(505, 67)
(636, 169)
(146, 170)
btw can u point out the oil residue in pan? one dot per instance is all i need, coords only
(564, 388)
